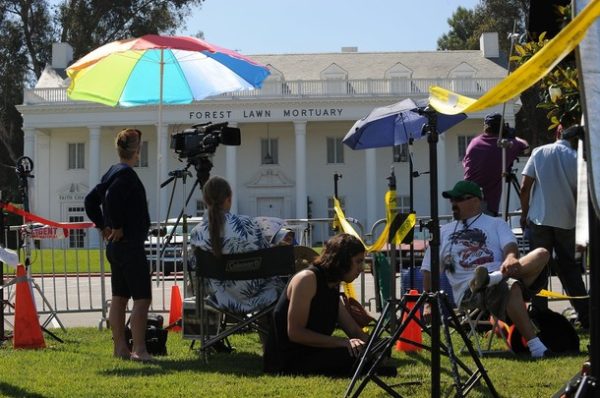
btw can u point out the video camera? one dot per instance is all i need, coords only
(202, 139)
(508, 132)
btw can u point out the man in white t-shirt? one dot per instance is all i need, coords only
(479, 255)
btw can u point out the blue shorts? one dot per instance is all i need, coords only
(130, 271)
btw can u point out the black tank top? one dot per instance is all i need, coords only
(322, 317)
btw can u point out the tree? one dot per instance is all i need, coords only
(29, 27)
(500, 16)
(463, 24)
(466, 26)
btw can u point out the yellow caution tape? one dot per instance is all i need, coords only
(349, 290)
(405, 228)
(450, 103)
(549, 294)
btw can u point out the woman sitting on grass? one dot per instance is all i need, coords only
(309, 310)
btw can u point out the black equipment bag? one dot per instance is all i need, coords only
(156, 335)
(555, 331)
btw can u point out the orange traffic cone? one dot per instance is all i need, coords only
(175, 312)
(27, 332)
(413, 330)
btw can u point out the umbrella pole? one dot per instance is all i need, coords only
(159, 161)
(432, 139)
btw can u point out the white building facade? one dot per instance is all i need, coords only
(291, 132)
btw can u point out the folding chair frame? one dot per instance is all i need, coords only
(260, 264)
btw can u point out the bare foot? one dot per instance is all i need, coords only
(142, 357)
(126, 355)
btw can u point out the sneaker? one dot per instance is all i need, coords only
(480, 280)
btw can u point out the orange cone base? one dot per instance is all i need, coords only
(413, 330)
(175, 313)
(27, 332)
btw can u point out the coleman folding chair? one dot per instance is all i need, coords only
(256, 265)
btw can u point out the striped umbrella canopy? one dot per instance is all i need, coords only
(157, 70)
(183, 68)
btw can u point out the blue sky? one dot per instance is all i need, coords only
(282, 26)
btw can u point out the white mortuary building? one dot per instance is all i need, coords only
(291, 133)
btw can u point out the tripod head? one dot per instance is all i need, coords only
(24, 167)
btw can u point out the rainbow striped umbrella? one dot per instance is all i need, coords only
(184, 69)
(157, 70)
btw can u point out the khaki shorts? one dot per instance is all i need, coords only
(494, 298)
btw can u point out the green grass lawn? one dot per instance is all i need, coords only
(83, 367)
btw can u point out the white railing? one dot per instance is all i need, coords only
(316, 89)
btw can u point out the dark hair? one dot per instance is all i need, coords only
(336, 257)
(215, 191)
(128, 142)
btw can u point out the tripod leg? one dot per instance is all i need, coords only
(375, 335)
(53, 314)
(481, 369)
(450, 347)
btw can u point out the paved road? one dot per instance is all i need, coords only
(85, 307)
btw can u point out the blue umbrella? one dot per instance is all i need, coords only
(394, 125)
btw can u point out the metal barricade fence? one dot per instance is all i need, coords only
(71, 275)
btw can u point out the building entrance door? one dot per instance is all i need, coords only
(270, 207)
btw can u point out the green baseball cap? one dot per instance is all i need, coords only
(463, 188)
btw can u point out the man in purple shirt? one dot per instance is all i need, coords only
(483, 159)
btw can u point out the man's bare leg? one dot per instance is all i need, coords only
(139, 319)
(116, 317)
(532, 265)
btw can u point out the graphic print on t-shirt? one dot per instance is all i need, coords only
(471, 248)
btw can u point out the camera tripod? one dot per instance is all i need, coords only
(510, 179)
(379, 346)
(24, 168)
(202, 165)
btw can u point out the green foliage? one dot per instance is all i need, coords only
(466, 26)
(563, 109)
(83, 367)
(29, 27)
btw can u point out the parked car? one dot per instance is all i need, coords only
(172, 255)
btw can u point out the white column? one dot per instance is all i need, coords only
(94, 172)
(371, 194)
(231, 171)
(300, 132)
(29, 143)
(40, 187)
(94, 156)
(164, 170)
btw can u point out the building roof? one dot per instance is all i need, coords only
(374, 65)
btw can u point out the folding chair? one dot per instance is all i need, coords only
(256, 265)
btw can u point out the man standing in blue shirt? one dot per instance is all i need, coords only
(548, 203)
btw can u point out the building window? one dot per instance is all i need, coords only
(76, 156)
(143, 159)
(400, 153)
(335, 150)
(463, 143)
(269, 151)
(403, 204)
(76, 236)
(331, 212)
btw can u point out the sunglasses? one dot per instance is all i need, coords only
(459, 199)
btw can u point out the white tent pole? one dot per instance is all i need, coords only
(159, 161)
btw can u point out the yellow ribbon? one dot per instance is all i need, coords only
(450, 103)
(405, 228)
(554, 295)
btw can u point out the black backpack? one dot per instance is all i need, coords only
(156, 336)
(555, 331)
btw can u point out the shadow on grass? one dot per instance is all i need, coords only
(8, 390)
(238, 363)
